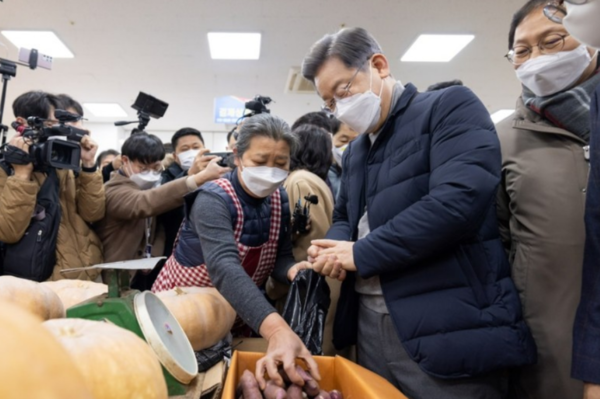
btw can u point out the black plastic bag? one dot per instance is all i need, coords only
(306, 309)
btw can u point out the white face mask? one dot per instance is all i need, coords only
(553, 73)
(262, 181)
(145, 180)
(338, 154)
(361, 111)
(582, 22)
(186, 158)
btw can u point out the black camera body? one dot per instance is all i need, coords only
(258, 105)
(302, 214)
(45, 150)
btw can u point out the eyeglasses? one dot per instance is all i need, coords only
(556, 11)
(143, 168)
(329, 106)
(552, 43)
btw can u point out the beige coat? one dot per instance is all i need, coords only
(82, 202)
(128, 208)
(541, 207)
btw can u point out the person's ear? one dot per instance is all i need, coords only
(380, 62)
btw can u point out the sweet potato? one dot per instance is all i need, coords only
(274, 391)
(336, 395)
(248, 387)
(311, 387)
(323, 395)
(294, 392)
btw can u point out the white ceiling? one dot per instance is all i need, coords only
(160, 47)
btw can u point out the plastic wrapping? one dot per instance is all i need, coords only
(306, 309)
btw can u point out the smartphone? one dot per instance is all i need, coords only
(226, 158)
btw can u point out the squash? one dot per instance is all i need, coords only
(34, 365)
(31, 296)
(73, 292)
(115, 363)
(205, 316)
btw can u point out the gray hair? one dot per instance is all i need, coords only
(264, 125)
(352, 46)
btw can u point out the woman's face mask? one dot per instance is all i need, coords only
(262, 181)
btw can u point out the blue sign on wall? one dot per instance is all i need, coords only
(229, 109)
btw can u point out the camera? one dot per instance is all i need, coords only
(226, 159)
(47, 149)
(147, 107)
(258, 105)
(302, 214)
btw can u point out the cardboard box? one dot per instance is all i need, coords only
(338, 373)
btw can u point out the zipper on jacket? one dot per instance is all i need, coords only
(39, 236)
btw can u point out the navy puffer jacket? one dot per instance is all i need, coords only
(429, 183)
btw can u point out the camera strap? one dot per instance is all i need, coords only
(148, 247)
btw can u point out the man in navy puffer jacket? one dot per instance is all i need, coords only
(427, 295)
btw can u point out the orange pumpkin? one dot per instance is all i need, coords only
(73, 292)
(205, 316)
(33, 363)
(31, 296)
(115, 363)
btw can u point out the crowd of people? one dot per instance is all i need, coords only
(463, 258)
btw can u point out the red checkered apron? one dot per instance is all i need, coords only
(257, 261)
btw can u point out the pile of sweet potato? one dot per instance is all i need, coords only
(248, 388)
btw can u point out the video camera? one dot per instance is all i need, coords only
(147, 107)
(258, 105)
(45, 150)
(302, 214)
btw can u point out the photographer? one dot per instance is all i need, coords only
(189, 159)
(134, 197)
(81, 196)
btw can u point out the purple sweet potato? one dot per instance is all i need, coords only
(311, 387)
(294, 392)
(274, 391)
(323, 395)
(248, 386)
(336, 395)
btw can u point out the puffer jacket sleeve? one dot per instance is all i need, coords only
(465, 164)
(91, 201)
(17, 204)
(503, 211)
(340, 229)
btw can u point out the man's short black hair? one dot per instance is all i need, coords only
(143, 147)
(313, 152)
(186, 131)
(35, 103)
(68, 102)
(321, 119)
(520, 15)
(104, 154)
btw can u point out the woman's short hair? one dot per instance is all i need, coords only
(313, 152)
(264, 125)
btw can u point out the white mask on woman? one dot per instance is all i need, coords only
(361, 111)
(186, 158)
(582, 22)
(262, 181)
(552, 73)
